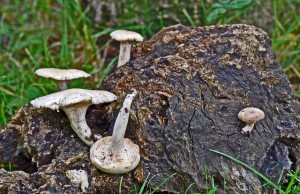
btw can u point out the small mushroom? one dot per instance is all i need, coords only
(78, 178)
(116, 154)
(61, 76)
(125, 38)
(74, 102)
(250, 116)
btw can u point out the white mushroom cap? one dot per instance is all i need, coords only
(78, 178)
(126, 160)
(74, 103)
(125, 35)
(61, 74)
(251, 115)
(73, 96)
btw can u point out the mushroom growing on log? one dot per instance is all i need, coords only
(125, 38)
(192, 83)
(116, 154)
(250, 116)
(61, 76)
(74, 102)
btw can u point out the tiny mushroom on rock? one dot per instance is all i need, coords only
(61, 76)
(116, 154)
(74, 102)
(250, 116)
(125, 38)
(78, 178)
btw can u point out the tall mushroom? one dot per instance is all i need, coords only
(74, 102)
(116, 154)
(250, 116)
(125, 38)
(61, 76)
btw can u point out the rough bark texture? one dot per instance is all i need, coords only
(192, 83)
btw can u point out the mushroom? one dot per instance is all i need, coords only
(116, 154)
(125, 38)
(61, 76)
(74, 102)
(250, 116)
(78, 178)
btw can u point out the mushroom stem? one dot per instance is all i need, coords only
(248, 128)
(62, 85)
(76, 114)
(121, 123)
(124, 55)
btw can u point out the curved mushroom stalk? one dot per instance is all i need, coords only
(121, 123)
(76, 114)
(116, 154)
(74, 102)
(248, 128)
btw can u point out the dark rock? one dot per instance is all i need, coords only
(14, 182)
(192, 83)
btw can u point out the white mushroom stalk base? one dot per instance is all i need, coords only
(116, 154)
(126, 159)
(247, 129)
(124, 55)
(76, 115)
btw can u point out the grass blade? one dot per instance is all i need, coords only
(189, 18)
(186, 191)
(144, 184)
(162, 183)
(250, 168)
(106, 70)
(120, 187)
(292, 181)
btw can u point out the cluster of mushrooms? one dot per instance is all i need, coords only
(114, 154)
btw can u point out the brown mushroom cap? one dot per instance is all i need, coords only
(125, 35)
(251, 115)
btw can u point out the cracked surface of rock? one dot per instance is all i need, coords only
(192, 83)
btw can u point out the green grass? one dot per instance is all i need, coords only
(145, 189)
(63, 34)
(293, 185)
(290, 185)
(9, 167)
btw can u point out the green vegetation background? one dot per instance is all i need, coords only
(75, 34)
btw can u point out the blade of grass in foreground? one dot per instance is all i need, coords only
(162, 183)
(292, 181)
(252, 169)
(144, 184)
(120, 187)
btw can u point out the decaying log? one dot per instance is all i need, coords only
(191, 85)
